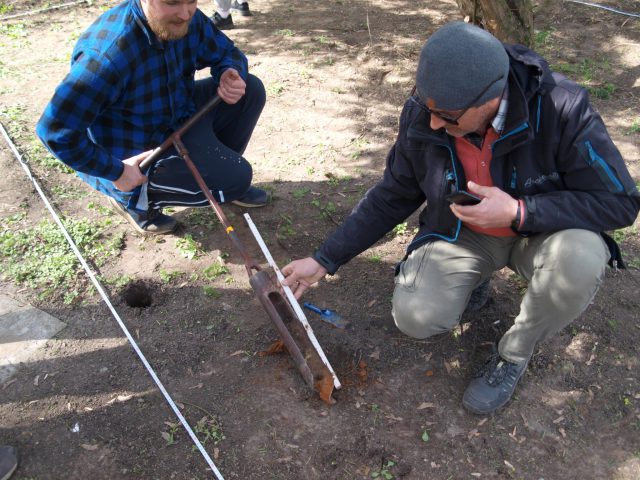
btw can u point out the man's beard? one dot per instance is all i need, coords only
(163, 33)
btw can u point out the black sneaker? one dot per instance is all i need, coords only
(154, 222)
(479, 297)
(241, 8)
(255, 197)
(8, 461)
(493, 385)
(222, 23)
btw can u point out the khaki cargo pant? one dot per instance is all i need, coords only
(564, 270)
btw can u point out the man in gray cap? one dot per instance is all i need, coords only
(516, 169)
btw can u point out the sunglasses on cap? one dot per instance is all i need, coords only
(451, 120)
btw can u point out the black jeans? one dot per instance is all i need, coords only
(215, 146)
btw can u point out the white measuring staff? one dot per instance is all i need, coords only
(102, 293)
(292, 300)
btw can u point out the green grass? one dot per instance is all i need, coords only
(542, 38)
(399, 229)
(275, 89)
(285, 32)
(167, 276)
(211, 292)
(204, 217)
(385, 471)
(285, 227)
(634, 128)
(14, 118)
(589, 74)
(188, 247)
(208, 429)
(13, 31)
(299, 193)
(214, 271)
(40, 257)
(5, 9)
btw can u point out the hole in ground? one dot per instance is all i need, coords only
(137, 295)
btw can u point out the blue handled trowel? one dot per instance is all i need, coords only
(328, 316)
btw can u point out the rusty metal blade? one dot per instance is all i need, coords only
(304, 355)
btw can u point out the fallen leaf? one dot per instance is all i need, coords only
(562, 432)
(473, 433)
(376, 354)
(476, 474)
(238, 352)
(429, 373)
(482, 422)
(559, 419)
(166, 436)
(216, 453)
(509, 465)
(124, 398)
(362, 371)
(424, 405)
(36, 380)
(87, 446)
(196, 386)
(274, 348)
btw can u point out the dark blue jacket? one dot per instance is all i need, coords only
(554, 152)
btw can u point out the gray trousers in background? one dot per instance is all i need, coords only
(564, 270)
(225, 5)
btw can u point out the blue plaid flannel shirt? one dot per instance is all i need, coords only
(127, 91)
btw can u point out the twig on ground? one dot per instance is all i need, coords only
(41, 10)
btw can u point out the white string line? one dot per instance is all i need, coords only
(604, 8)
(292, 300)
(102, 293)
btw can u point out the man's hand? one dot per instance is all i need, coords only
(232, 86)
(301, 274)
(496, 210)
(131, 175)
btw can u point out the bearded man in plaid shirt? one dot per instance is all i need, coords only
(131, 84)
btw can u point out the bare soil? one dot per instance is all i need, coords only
(336, 74)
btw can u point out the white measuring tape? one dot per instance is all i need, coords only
(102, 293)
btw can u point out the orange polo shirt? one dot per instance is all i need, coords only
(476, 162)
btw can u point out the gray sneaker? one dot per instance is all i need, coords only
(241, 8)
(8, 461)
(493, 385)
(222, 23)
(154, 222)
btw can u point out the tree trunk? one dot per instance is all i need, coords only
(509, 20)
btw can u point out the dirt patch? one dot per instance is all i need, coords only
(336, 74)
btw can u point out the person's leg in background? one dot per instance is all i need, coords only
(241, 7)
(215, 145)
(222, 15)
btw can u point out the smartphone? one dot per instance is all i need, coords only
(463, 198)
